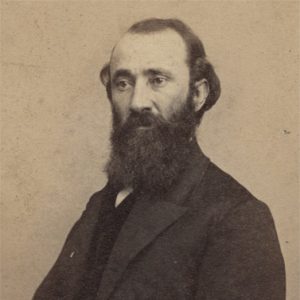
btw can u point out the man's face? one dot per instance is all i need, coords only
(153, 111)
(149, 72)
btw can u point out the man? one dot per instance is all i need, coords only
(169, 224)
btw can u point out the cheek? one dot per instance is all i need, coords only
(174, 102)
(121, 106)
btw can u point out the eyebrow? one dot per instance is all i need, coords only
(148, 72)
(122, 73)
(158, 71)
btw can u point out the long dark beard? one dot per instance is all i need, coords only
(151, 159)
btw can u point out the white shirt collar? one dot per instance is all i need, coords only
(122, 195)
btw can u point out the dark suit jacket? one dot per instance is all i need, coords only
(207, 238)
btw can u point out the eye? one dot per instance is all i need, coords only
(122, 84)
(158, 81)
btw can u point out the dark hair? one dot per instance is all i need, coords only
(199, 66)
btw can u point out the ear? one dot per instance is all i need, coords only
(105, 75)
(201, 92)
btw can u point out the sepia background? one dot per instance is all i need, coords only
(56, 118)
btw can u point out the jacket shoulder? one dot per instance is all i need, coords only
(221, 183)
(221, 194)
(242, 242)
(97, 198)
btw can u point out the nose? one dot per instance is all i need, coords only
(141, 98)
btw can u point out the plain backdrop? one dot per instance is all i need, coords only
(56, 118)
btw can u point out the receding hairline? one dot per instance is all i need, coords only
(197, 62)
(150, 32)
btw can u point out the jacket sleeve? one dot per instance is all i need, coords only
(61, 281)
(243, 258)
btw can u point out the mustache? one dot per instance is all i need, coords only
(144, 119)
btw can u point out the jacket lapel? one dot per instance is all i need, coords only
(148, 218)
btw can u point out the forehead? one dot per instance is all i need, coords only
(138, 51)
